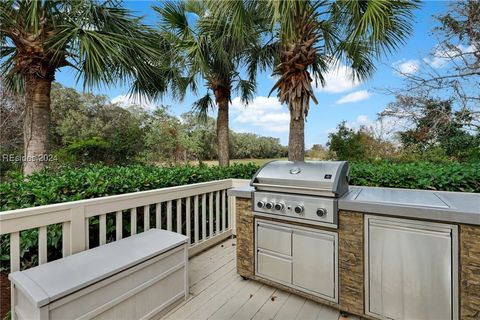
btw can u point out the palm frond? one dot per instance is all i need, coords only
(383, 25)
(32, 10)
(236, 19)
(196, 7)
(7, 16)
(202, 105)
(103, 41)
(320, 67)
(14, 84)
(261, 58)
(173, 17)
(246, 90)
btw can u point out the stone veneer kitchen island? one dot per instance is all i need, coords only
(461, 210)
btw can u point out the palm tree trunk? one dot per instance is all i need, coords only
(36, 124)
(296, 138)
(222, 127)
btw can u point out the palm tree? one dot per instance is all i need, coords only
(312, 35)
(205, 50)
(102, 42)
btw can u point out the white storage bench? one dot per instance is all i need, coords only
(139, 277)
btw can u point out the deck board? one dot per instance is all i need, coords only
(291, 308)
(227, 310)
(220, 299)
(272, 306)
(309, 310)
(211, 269)
(255, 303)
(217, 292)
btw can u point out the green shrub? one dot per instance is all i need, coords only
(70, 184)
(93, 150)
(464, 177)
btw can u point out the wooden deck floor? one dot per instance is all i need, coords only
(218, 292)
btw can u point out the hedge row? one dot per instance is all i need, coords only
(69, 184)
(464, 177)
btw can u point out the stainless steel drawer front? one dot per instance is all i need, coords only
(274, 267)
(274, 238)
(411, 269)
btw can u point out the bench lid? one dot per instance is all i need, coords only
(57, 279)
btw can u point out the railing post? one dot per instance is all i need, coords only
(133, 221)
(77, 229)
(102, 224)
(66, 247)
(119, 225)
(14, 251)
(188, 221)
(42, 245)
(232, 216)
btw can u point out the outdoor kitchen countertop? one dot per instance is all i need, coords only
(456, 207)
(241, 192)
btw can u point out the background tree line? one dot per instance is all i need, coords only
(87, 128)
(436, 112)
(448, 143)
(223, 47)
(195, 42)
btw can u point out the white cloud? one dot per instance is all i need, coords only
(354, 97)
(381, 128)
(442, 56)
(242, 130)
(407, 67)
(265, 113)
(124, 100)
(338, 79)
(467, 49)
(439, 58)
(362, 119)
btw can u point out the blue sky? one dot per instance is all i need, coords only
(356, 103)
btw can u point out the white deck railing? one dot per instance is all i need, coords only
(201, 211)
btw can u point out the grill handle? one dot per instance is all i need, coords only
(256, 184)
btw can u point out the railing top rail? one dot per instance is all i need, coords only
(163, 193)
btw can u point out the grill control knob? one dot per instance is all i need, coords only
(269, 205)
(299, 209)
(279, 206)
(321, 212)
(260, 204)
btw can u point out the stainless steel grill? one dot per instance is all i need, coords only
(307, 192)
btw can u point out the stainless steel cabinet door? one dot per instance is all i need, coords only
(410, 269)
(314, 262)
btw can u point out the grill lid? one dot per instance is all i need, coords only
(323, 178)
